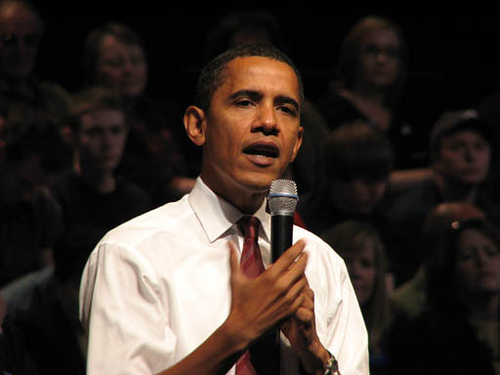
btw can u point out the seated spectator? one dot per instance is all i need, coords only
(355, 167)
(35, 152)
(368, 83)
(21, 30)
(361, 247)
(458, 331)
(93, 194)
(461, 153)
(43, 307)
(409, 299)
(159, 156)
(14, 358)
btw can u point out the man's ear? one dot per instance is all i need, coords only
(194, 123)
(296, 148)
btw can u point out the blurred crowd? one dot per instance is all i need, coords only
(411, 202)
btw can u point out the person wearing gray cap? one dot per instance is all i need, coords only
(461, 152)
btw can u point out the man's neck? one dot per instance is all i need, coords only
(247, 202)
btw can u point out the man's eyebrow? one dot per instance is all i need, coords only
(283, 99)
(255, 95)
(252, 94)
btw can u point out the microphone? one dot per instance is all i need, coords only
(282, 201)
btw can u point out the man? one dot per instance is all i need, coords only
(93, 194)
(164, 293)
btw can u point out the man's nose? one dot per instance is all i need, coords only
(267, 120)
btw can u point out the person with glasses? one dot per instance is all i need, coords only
(21, 30)
(367, 84)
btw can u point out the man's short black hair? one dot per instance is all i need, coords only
(211, 76)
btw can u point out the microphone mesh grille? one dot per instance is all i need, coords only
(283, 197)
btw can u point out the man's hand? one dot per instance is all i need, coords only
(300, 330)
(259, 304)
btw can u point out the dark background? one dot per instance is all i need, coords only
(454, 59)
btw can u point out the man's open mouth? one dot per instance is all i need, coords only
(261, 149)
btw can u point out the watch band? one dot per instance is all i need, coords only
(332, 367)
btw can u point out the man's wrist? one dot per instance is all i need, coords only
(332, 366)
(316, 360)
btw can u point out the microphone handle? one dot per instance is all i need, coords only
(281, 234)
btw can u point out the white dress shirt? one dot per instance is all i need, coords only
(157, 286)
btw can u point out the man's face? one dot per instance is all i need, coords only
(252, 128)
(464, 157)
(122, 67)
(19, 40)
(102, 139)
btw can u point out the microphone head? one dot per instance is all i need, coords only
(283, 197)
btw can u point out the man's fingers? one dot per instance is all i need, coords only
(305, 313)
(288, 258)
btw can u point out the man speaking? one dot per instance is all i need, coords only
(189, 288)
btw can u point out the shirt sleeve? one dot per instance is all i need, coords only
(339, 321)
(121, 310)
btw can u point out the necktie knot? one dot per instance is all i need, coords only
(251, 258)
(249, 226)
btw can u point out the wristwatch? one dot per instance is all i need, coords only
(332, 366)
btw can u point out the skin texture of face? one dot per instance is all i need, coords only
(464, 157)
(122, 67)
(251, 131)
(478, 263)
(19, 39)
(362, 271)
(379, 64)
(102, 139)
(358, 197)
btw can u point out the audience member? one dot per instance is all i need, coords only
(35, 152)
(158, 156)
(93, 194)
(355, 166)
(368, 82)
(361, 247)
(43, 306)
(460, 149)
(14, 358)
(243, 28)
(21, 30)
(458, 333)
(409, 299)
(262, 27)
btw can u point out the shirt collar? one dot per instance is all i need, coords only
(217, 216)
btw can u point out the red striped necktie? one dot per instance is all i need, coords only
(251, 264)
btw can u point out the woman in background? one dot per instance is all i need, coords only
(359, 244)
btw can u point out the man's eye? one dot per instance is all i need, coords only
(244, 103)
(289, 110)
